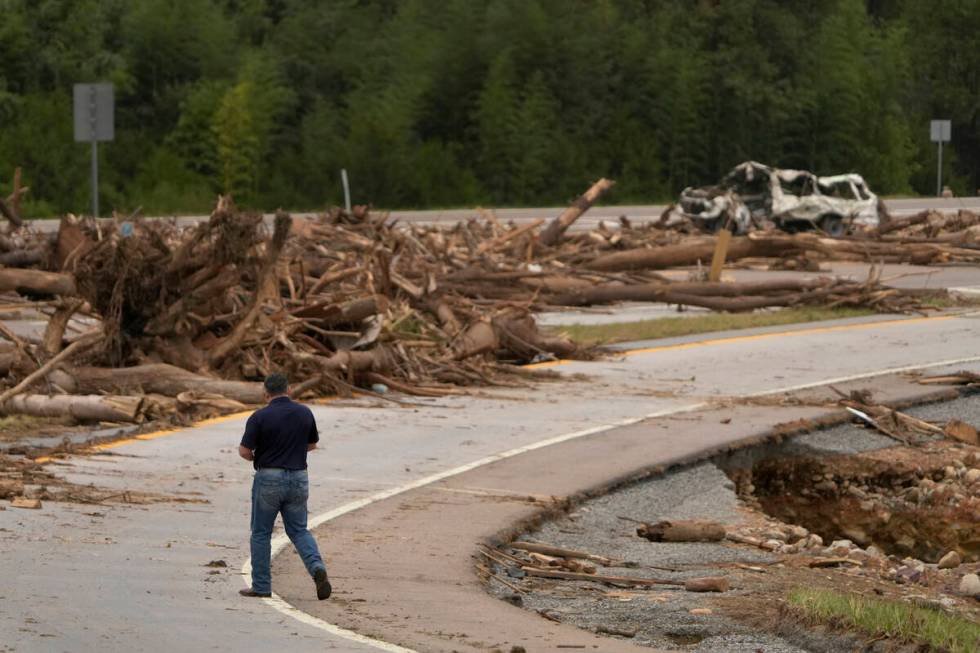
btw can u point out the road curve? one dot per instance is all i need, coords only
(123, 577)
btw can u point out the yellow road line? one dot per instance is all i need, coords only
(629, 352)
(758, 336)
(153, 435)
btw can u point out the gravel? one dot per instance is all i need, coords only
(661, 617)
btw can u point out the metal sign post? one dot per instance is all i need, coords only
(346, 184)
(939, 132)
(94, 122)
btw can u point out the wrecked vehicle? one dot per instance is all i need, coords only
(712, 208)
(753, 194)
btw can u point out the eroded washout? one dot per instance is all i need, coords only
(844, 508)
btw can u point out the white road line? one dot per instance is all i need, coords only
(281, 540)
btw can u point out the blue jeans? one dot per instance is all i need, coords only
(283, 491)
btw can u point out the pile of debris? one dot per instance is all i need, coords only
(147, 318)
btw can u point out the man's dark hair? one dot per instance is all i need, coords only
(276, 384)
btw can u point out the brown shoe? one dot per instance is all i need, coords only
(248, 591)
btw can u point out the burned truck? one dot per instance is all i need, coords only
(753, 196)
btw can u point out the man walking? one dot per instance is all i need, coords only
(277, 439)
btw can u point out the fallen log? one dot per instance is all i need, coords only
(480, 338)
(23, 258)
(11, 487)
(83, 343)
(547, 549)
(962, 432)
(553, 233)
(54, 332)
(38, 281)
(84, 408)
(7, 212)
(707, 584)
(158, 378)
(520, 334)
(627, 581)
(688, 530)
(897, 224)
(686, 253)
(267, 291)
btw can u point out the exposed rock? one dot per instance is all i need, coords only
(826, 486)
(971, 476)
(905, 543)
(908, 574)
(700, 611)
(970, 585)
(773, 534)
(951, 560)
(797, 533)
(855, 491)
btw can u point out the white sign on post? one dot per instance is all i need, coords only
(94, 121)
(940, 131)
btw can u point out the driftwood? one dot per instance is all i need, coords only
(626, 581)
(707, 584)
(554, 231)
(85, 408)
(8, 212)
(157, 378)
(86, 342)
(547, 549)
(348, 299)
(687, 253)
(37, 281)
(690, 530)
(54, 332)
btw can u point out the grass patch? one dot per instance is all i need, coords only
(892, 619)
(670, 327)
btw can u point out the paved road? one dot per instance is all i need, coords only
(638, 213)
(133, 578)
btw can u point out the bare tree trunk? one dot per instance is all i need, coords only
(49, 283)
(687, 253)
(54, 332)
(160, 378)
(87, 408)
(23, 258)
(556, 229)
(267, 290)
(8, 213)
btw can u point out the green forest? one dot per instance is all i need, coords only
(437, 103)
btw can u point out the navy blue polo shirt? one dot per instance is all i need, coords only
(279, 434)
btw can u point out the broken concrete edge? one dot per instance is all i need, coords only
(773, 435)
(452, 592)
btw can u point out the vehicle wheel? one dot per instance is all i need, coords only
(711, 226)
(832, 225)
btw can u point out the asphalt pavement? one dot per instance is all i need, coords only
(610, 214)
(119, 577)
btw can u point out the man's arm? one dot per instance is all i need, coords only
(312, 437)
(250, 439)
